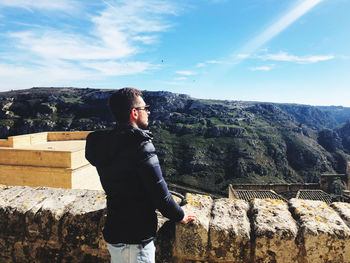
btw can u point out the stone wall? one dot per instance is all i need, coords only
(51, 225)
(59, 225)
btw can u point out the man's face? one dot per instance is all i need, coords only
(142, 120)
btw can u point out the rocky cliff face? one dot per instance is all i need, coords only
(203, 144)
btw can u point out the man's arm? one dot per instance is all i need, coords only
(151, 176)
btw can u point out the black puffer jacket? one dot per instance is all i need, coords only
(130, 174)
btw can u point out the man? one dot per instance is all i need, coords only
(130, 174)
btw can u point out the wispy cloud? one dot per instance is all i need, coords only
(111, 68)
(282, 56)
(180, 78)
(301, 8)
(60, 45)
(117, 32)
(213, 62)
(262, 68)
(62, 5)
(285, 57)
(218, 62)
(200, 65)
(57, 74)
(185, 72)
(243, 56)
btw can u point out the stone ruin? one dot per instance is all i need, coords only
(60, 225)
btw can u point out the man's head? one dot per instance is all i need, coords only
(128, 107)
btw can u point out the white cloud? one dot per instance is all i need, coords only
(118, 32)
(111, 68)
(62, 5)
(117, 29)
(213, 62)
(180, 78)
(145, 39)
(138, 16)
(200, 65)
(282, 56)
(242, 56)
(59, 45)
(186, 73)
(47, 74)
(262, 68)
(203, 64)
(7, 70)
(301, 8)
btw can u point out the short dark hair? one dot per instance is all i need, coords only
(121, 102)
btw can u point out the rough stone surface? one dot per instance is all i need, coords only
(51, 225)
(229, 231)
(191, 240)
(343, 210)
(274, 231)
(59, 225)
(323, 236)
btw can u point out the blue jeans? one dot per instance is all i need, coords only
(130, 253)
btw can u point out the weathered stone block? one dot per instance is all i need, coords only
(16, 202)
(274, 231)
(191, 240)
(60, 225)
(43, 220)
(83, 225)
(343, 210)
(165, 238)
(229, 231)
(323, 236)
(164, 242)
(51, 225)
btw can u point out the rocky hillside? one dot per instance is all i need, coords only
(206, 144)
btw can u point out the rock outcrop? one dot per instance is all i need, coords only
(202, 144)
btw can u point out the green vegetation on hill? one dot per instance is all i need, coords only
(202, 144)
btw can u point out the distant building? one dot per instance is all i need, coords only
(253, 194)
(309, 191)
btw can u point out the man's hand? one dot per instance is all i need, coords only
(188, 218)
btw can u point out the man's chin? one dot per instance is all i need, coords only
(143, 126)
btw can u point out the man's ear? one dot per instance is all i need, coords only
(134, 114)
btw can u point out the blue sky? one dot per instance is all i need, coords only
(258, 50)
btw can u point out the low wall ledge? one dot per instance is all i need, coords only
(59, 225)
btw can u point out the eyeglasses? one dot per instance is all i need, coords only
(145, 108)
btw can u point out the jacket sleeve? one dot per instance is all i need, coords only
(152, 178)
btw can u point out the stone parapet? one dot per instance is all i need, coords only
(51, 225)
(274, 232)
(323, 235)
(229, 231)
(187, 245)
(60, 225)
